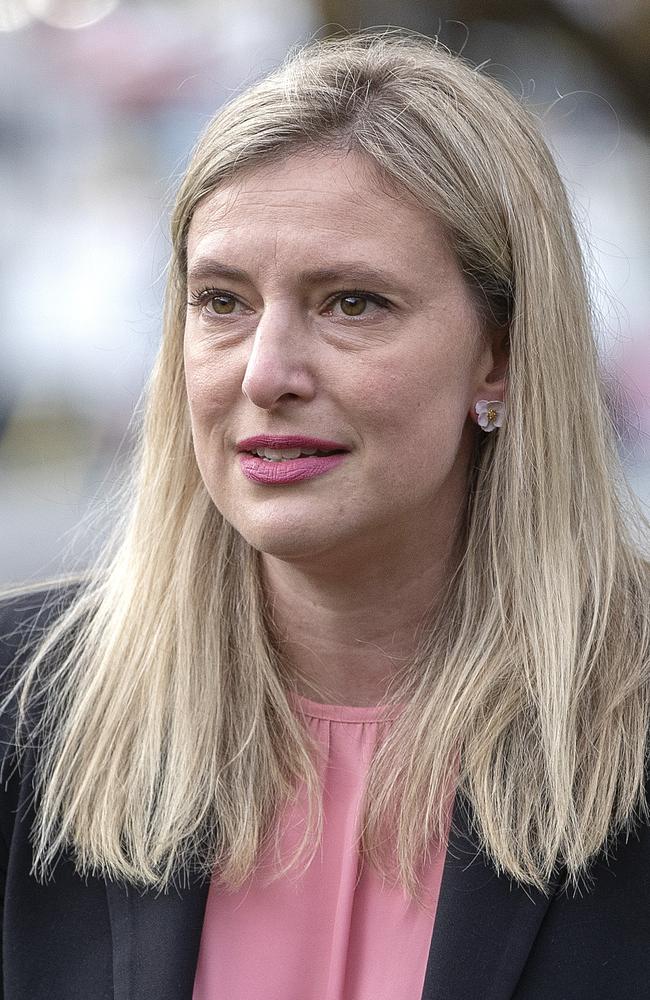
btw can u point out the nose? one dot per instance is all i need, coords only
(280, 363)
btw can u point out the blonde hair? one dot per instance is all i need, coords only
(166, 738)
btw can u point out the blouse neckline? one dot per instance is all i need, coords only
(342, 713)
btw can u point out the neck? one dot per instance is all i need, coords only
(345, 630)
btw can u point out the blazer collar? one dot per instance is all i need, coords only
(485, 924)
(484, 930)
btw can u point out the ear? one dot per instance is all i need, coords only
(493, 368)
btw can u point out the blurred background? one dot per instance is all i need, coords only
(100, 103)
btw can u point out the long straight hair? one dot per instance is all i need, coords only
(166, 738)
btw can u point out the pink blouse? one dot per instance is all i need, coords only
(322, 935)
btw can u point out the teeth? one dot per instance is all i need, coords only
(284, 454)
(277, 454)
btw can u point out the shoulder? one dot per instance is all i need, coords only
(25, 615)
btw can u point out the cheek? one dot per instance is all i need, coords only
(415, 416)
(207, 402)
(211, 388)
(407, 401)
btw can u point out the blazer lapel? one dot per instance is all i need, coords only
(484, 929)
(156, 940)
(485, 924)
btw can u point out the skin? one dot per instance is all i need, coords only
(352, 560)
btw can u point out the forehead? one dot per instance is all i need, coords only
(311, 207)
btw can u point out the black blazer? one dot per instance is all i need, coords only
(493, 940)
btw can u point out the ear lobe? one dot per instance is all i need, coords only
(492, 388)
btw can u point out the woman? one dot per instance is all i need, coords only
(356, 703)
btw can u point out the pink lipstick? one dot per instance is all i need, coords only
(278, 469)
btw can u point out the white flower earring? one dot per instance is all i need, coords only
(490, 413)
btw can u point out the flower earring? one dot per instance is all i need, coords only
(490, 413)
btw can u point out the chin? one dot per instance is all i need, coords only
(291, 540)
(288, 547)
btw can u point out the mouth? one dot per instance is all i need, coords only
(289, 448)
(272, 461)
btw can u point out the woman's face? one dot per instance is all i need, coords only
(323, 307)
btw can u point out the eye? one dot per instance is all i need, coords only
(356, 303)
(353, 305)
(222, 304)
(214, 302)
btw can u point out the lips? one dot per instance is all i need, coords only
(270, 471)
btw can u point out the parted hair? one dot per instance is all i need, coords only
(165, 736)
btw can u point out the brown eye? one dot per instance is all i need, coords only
(222, 304)
(353, 305)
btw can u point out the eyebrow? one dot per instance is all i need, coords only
(207, 268)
